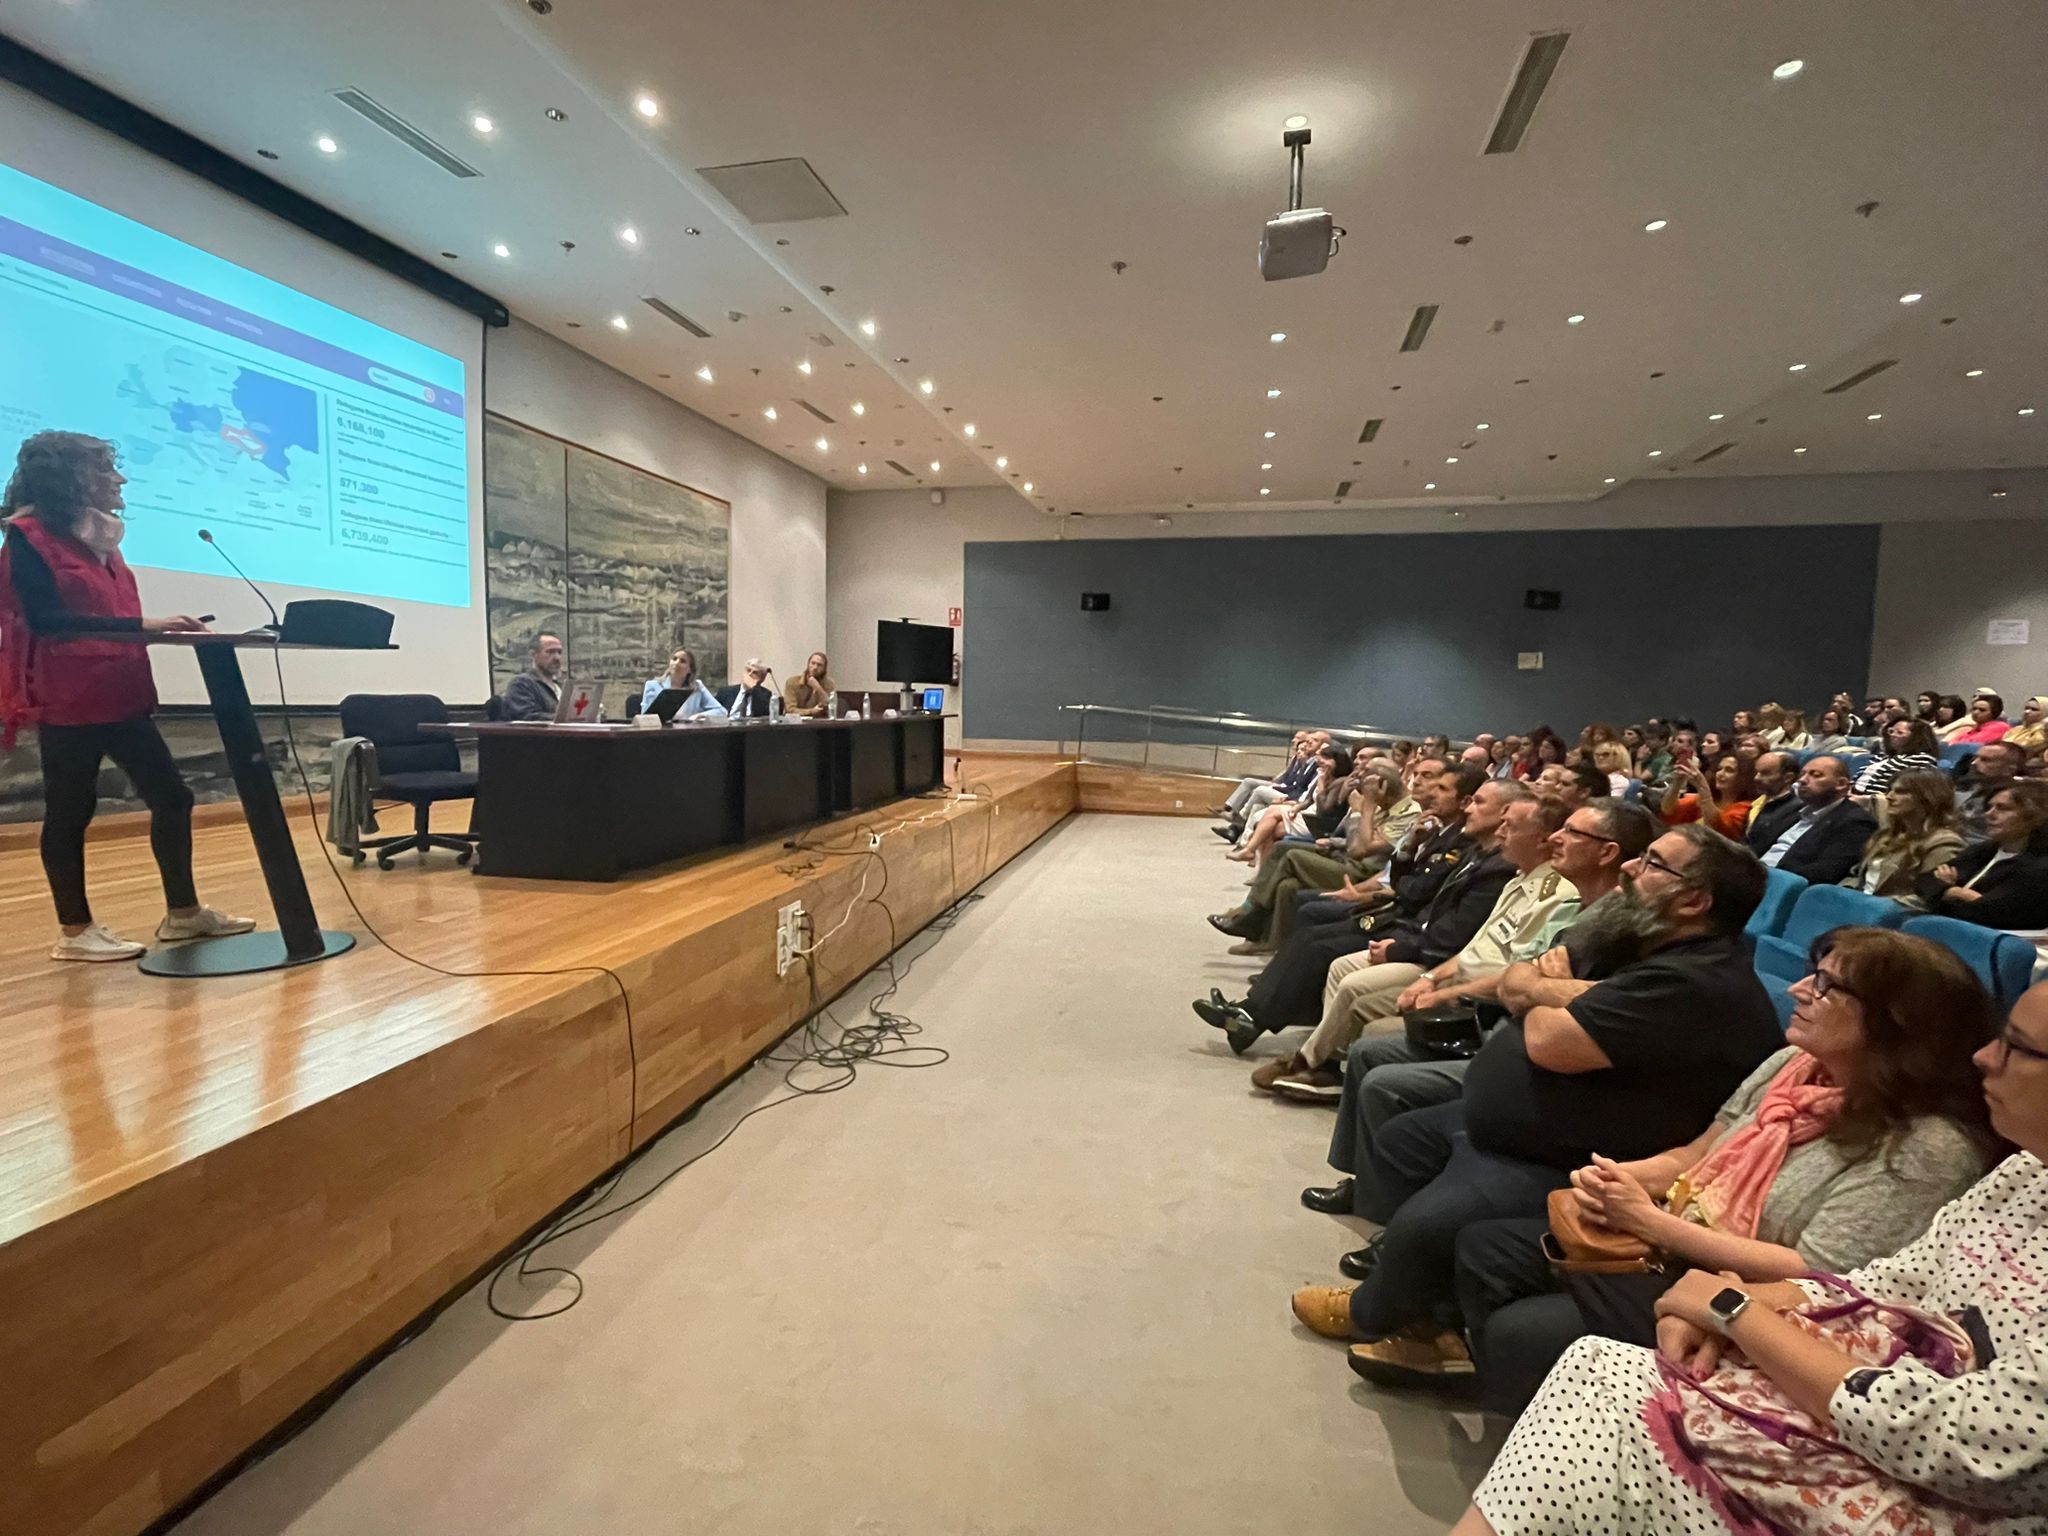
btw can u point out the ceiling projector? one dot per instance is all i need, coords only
(1301, 241)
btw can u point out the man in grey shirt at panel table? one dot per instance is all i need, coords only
(534, 693)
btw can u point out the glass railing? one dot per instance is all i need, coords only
(1165, 736)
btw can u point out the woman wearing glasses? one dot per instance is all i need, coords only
(1907, 1395)
(1836, 1150)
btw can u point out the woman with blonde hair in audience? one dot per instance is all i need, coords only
(1789, 734)
(1907, 746)
(1921, 831)
(1907, 1395)
(1721, 798)
(1612, 759)
(2031, 734)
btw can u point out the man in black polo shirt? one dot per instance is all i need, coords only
(1626, 1066)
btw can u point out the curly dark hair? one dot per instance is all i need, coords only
(1925, 1015)
(54, 473)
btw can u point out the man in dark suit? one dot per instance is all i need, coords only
(1818, 832)
(1777, 773)
(748, 700)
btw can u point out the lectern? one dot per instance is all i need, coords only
(299, 939)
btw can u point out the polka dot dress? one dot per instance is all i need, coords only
(1581, 1460)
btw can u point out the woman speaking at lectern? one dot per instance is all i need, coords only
(63, 588)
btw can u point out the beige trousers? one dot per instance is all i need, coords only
(1357, 996)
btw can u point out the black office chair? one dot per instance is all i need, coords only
(413, 766)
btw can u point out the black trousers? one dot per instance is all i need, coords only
(1521, 1322)
(71, 776)
(1289, 991)
(1426, 1182)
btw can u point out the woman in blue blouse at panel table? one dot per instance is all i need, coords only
(682, 674)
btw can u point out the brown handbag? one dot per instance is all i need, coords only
(1574, 1247)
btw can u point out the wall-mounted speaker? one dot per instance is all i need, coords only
(1095, 602)
(1543, 600)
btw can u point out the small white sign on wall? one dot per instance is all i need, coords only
(1529, 661)
(2006, 632)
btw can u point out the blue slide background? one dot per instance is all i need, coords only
(325, 451)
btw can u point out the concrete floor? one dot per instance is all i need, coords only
(1041, 1288)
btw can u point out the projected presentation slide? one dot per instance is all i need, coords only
(323, 451)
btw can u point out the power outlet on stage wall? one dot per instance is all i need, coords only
(789, 936)
(874, 842)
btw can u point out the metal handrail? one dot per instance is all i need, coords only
(1169, 714)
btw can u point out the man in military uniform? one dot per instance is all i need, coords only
(1513, 828)
(1350, 918)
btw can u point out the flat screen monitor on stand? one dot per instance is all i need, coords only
(914, 654)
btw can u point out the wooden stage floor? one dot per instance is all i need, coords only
(218, 1196)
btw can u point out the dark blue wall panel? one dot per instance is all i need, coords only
(1418, 632)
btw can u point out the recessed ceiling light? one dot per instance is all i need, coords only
(935, 466)
(1656, 453)
(1799, 450)
(483, 124)
(1998, 493)
(1788, 69)
(1574, 319)
(1265, 466)
(1272, 434)
(704, 373)
(860, 469)
(867, 327)
(691, 229)
(1277, 337)
(1003, 461)
(325, 145)
(804, 366)
(1875, 416)
(1027, 487)
(1608, 481)
(1654, 225)
(925, 386)
(2026, 410)
(646, 106)
(771, 414)
(556, 115)
(1265, 490)
(859, 409)
(1482, 426)
(1911, 298)
(1430, 486)
(1974, 373)
(1717, 415)
(824, 445)
(968, 429)
(501, 250)
(630, 235)
(1296, 121)
(619, 323)
(1452, 459)
(1796, 368)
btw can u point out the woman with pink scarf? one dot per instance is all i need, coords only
(1907, 1396)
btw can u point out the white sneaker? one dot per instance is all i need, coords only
(98, 942)
(203, 924)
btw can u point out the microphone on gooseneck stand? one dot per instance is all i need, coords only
(275, 622)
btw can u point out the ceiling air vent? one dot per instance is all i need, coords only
(1857, 378)
(1714, 453)
(675, 316)
(404, 132)
(1371, 429)
(1343, 489)
(906, 474)
(1418, 328)
(774, 191)
(1539, 63)
(812, 409)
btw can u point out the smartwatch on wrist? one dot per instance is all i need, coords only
(1728, 1304)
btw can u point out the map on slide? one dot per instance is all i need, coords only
(223, 414)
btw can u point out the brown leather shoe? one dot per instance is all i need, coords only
(1267, 1073)
(1423, 1357)
(1324, 1309)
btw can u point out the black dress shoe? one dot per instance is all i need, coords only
(1229, 834)
(1219, 1015)
(1242, 1031)
(1331, 1200)
(1233, 924)
(1358, 1265)
(1216, 996)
